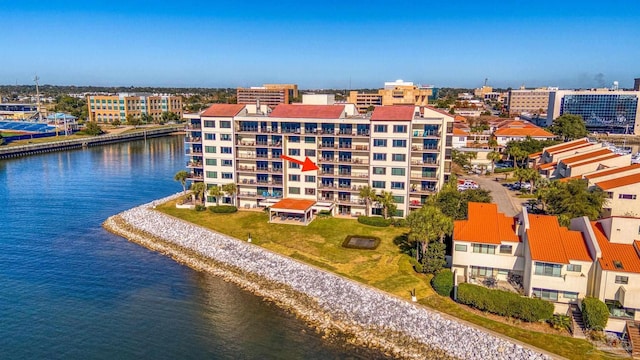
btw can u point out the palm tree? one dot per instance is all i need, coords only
(388, 204)
(230, 189)
(182, 177)
(493, 143)
(428, 224)
(216, 192)
(368, 194)
(199, 190)
(494, 156)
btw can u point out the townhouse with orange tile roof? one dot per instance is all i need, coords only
(623, 195)
(563, 265)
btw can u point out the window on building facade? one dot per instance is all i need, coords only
(398, 157)
(379, 142)
(225, 137)
(380, 128)
(209, 123)
(622, 279)
(575, 268)
(227, 175)
(309, 152)
(397, 185)
(211, 162)
(225, 124)
(617, 310)
(309, 178)
(227, 162)
(460, 247)
(379, 156)
(294, 139)
(210, 149)
(398, 199)
(309, 140)
(294, 177)
(399, 128)
(309, 191)
(294, 152)
(212, 174)
(208, 136)
(382, 171)
(293, 165)
(570, 295)
(547, 269)
(378, 184)
(398, 171)
(226, 150)
(294, 190)
(506, 249)
(627, 196)
(545, 294)
(399, 143)
(483, 248)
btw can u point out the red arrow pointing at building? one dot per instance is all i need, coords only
(307, 164)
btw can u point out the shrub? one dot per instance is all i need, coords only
(223, 209)
(400, 222)
(200, 207)
(560, 322)
(324, 213)
(502, 170)
(504, 303)
(442, 283)
(416, 265)
(374, 221)
(595, 313)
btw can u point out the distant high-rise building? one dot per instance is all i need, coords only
(603, 110)
(528, 101)
(107, 108)
(268, 94)
(636, 84)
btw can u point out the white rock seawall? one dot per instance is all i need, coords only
(367, 316)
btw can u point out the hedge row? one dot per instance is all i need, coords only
(223, 209)
(442, 283)
(374, 221)
(504, 303)
(595, 313)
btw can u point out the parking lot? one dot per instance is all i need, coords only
(504, 196)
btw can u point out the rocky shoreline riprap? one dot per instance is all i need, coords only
(328, 302)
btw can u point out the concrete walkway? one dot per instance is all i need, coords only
(507, 202)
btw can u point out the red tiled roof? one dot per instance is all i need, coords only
(586, 156)
(565, 146)
(459, 118)
(547, 165)
(308, 111)
(621, 181)
(393, 113)
(524, 132)
(591, 161)
(485, 225)
(612, 171)
(223, 110)
(550, 242)
(439, 111)
(578, 177)
(293, 204)
(535, 155)
(624, 253)
(459, 132)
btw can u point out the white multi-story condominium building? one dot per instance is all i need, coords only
(404, 150)
(603, 110)
(563, 265)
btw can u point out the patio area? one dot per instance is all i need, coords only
(292, 212)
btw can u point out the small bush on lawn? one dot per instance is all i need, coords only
(504, 303)
(442, 283)
(399, 222)
(416, 265)
(560, 322)
(324, 213)
(223, 209)
(595, 313)
(200, 207)
(374, 221)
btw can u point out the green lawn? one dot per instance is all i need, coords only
(385, 268)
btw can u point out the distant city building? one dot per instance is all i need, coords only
(636, 84)
(268, 94)
(397, 92)
(533, 101)
(107, 108)
(10, 111)
(603, 110)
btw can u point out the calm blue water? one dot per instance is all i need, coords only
(70, 290)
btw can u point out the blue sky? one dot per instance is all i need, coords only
(328, 44)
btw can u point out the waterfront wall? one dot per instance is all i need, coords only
(33, 149)
(327, 301)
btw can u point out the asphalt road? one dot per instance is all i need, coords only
(507, 202)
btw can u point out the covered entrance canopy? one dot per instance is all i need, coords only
(292, 211)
